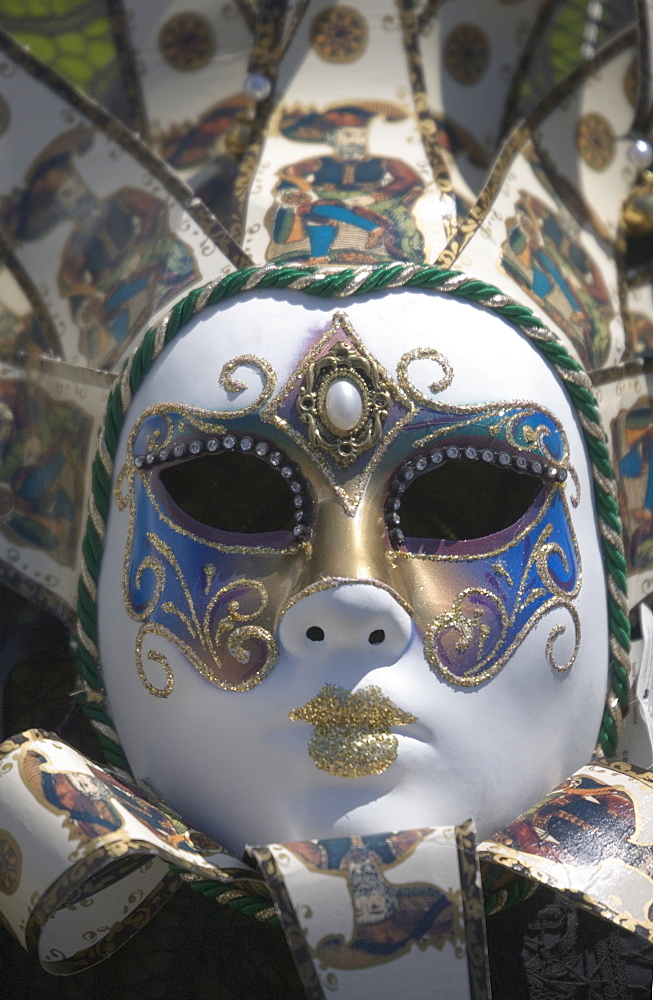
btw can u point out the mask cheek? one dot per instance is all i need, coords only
(484, 606)
(218, 608)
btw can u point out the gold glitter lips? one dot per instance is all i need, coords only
(352, 730)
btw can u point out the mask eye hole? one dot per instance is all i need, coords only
(460, 494)
(235, 485)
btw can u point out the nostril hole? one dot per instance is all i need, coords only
(315, 633)
(376, 637)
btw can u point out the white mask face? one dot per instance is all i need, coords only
(352, 579)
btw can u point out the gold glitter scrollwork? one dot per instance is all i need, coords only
(240, 636)
(471, 627)
(542, 553)
(231, 384)
(122, 487)
(512, 423)
(149, 563)
(557, 631)
(535, 437)
(155, 657)
(439, 386)
(204, 641)
(179, 418)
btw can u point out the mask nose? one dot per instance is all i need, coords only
(357, 623)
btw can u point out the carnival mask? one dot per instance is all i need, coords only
(351, 578)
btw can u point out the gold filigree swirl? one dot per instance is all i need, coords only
(201, 639)
(231, 384)
(410, 388)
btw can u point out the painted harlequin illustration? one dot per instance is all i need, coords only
(387, 917)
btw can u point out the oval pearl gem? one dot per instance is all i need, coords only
(640, 154)
(343, 404)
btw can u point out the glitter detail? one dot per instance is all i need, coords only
(231, 384)
(154, 656)
(415, 355)
(203, 639)
(557, 631)
(352, 735)
(480, 631)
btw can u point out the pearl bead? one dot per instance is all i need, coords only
(640, 154)
(343, 404)
(257, 86)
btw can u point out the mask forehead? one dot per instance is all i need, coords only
(449, 365)
(281, 330)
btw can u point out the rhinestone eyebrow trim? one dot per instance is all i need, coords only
(423, 462)
(246, 444)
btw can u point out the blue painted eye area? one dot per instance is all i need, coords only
(231, 484)
(464, 492)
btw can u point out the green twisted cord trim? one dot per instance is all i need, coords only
(344, 283)
(251, 905)
(503, 889)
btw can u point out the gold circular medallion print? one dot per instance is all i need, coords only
(339, 34)
(466, 53)
(187, 42)
(595, 141)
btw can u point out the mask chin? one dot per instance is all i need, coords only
(366, 671)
